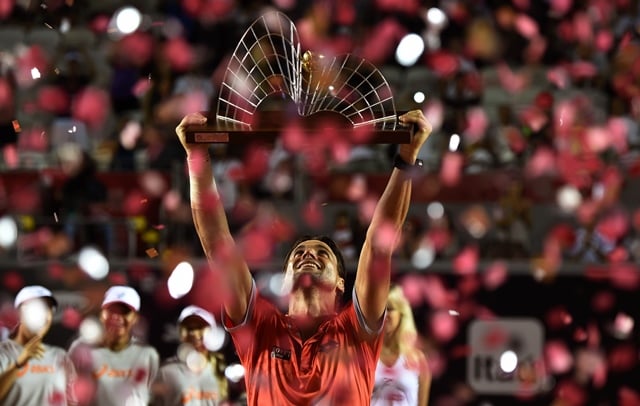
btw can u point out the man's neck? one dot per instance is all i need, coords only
(308, 308)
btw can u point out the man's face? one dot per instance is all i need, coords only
(313, 263)
(118, 319)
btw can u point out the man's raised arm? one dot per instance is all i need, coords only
(211, 224)
(374, 266)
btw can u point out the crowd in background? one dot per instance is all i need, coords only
(517, 90)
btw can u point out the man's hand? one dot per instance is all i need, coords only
(191, 119)
(421, 129)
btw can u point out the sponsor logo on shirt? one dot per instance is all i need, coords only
(108, 372)
(36, 369)
(192, 394)
(280, 353)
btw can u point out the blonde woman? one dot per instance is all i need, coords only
(402, 373)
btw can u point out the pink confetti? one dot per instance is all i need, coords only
(256, 246)
(510, 80)
(583, 27)
(312, 214)
(53, 99)
(136, 48)
(380, 43)
(451, 169)
(559, 76)
(11, 157)
(569, 393)
(561, 7)
(625, 276)
(55, 271)
(142, 86)
(153, 183)
(91, 106)
(71, 318)
(12, 280)
(285, 4)
(134, 203)
(477, 124)
(179, 54)
(618, 133)
(443, 63)
(466, 261)
(583, 70)
(614, 225)
(603, 302)
(340, 152)
(357, 189)
(436, 293)
(293, 137)
(558, 318)
(6, 94)
(628, 397)
(604, 40)
(622, 358)
(495, 275)
(598, 139)
(56, 398)
(535, 50)
(444, 326)
(100, 23)
(386, 237)
(558, 357)
(6, 7)
(526, 26)
(534, 118)
(84, 389)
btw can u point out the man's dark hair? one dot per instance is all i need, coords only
(325, 239)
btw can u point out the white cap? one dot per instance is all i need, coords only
(33, 292)
(198, 312)
(122, 294)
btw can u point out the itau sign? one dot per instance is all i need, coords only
(506, 356)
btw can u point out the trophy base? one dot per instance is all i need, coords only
(268, 125)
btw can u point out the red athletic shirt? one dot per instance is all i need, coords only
(336, 366)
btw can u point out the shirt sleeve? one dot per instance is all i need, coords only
(8, 355)
(228, 323)
(371, 331)
(154, 365)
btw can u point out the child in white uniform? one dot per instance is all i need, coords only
(121, 367)
(195, 376)
(33, 373)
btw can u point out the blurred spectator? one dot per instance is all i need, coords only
(9, 125)
(82, 201)
(32, 372)
(196, 373)
(120, 366)
(413, 233)
(344, 234)
(513, 225)
(161, 151)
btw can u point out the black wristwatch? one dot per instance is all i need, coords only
(401, 164)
